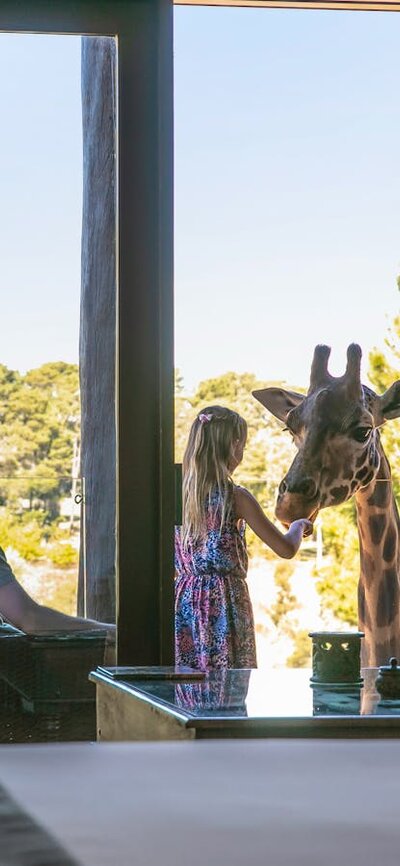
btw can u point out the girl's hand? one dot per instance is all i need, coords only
(284, 544)
(306, 526)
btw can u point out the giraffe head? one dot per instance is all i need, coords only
(335, 428)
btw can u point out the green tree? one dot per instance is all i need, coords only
(39, 435)
(384, 367)
(39, 422)
(286, 602)
(282, 614)
(302, 652)
(337, 578)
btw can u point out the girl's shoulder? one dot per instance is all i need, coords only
(242, 497)
(237, 493)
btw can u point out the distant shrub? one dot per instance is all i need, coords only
(63, 555)
(301, 655)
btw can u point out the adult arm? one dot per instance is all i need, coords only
(18, 608)
(285, 544)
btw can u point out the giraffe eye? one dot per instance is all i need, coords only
(361, 434)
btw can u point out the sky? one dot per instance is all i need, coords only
(40, 199)
(287, 131)
(287, 191)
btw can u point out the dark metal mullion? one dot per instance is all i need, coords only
(166, 332)
(145, 481)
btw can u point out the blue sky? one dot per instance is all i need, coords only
(287, 134)
(287, 186)
(41, 199)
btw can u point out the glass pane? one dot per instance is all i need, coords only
(57, 418)
(287, 236)
(42, 520)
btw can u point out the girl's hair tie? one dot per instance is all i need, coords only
(204, 418)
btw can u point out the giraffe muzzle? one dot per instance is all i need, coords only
(297, 500)
(305, 487)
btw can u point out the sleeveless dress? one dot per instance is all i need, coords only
(214, 625)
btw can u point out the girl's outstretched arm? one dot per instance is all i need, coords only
(285, 544)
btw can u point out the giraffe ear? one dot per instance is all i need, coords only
(389, 402)
(278, 401)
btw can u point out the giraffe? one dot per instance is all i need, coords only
(335, 428)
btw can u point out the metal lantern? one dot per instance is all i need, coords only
(387, 682)
(336, 657)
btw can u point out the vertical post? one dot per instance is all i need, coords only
(145, 382)
(97, 328)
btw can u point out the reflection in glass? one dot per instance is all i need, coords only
(331, 701)
(224, 691)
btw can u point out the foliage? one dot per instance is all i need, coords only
(337, 578)
(282, 614)
(23, 533)
(63, 555)
(39, 436)
(62, 592)
(383, 371)
(286, 601)
(39, 424)
(301, 656)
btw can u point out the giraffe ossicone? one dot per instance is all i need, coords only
(335, 428)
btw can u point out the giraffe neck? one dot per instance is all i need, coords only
(379, 585)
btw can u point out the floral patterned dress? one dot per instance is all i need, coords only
(214, 625)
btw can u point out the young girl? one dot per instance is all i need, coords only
(214, 624)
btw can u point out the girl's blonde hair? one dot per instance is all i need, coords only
(212, 439)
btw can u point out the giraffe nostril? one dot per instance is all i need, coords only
(308, 488)
(282, 487)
